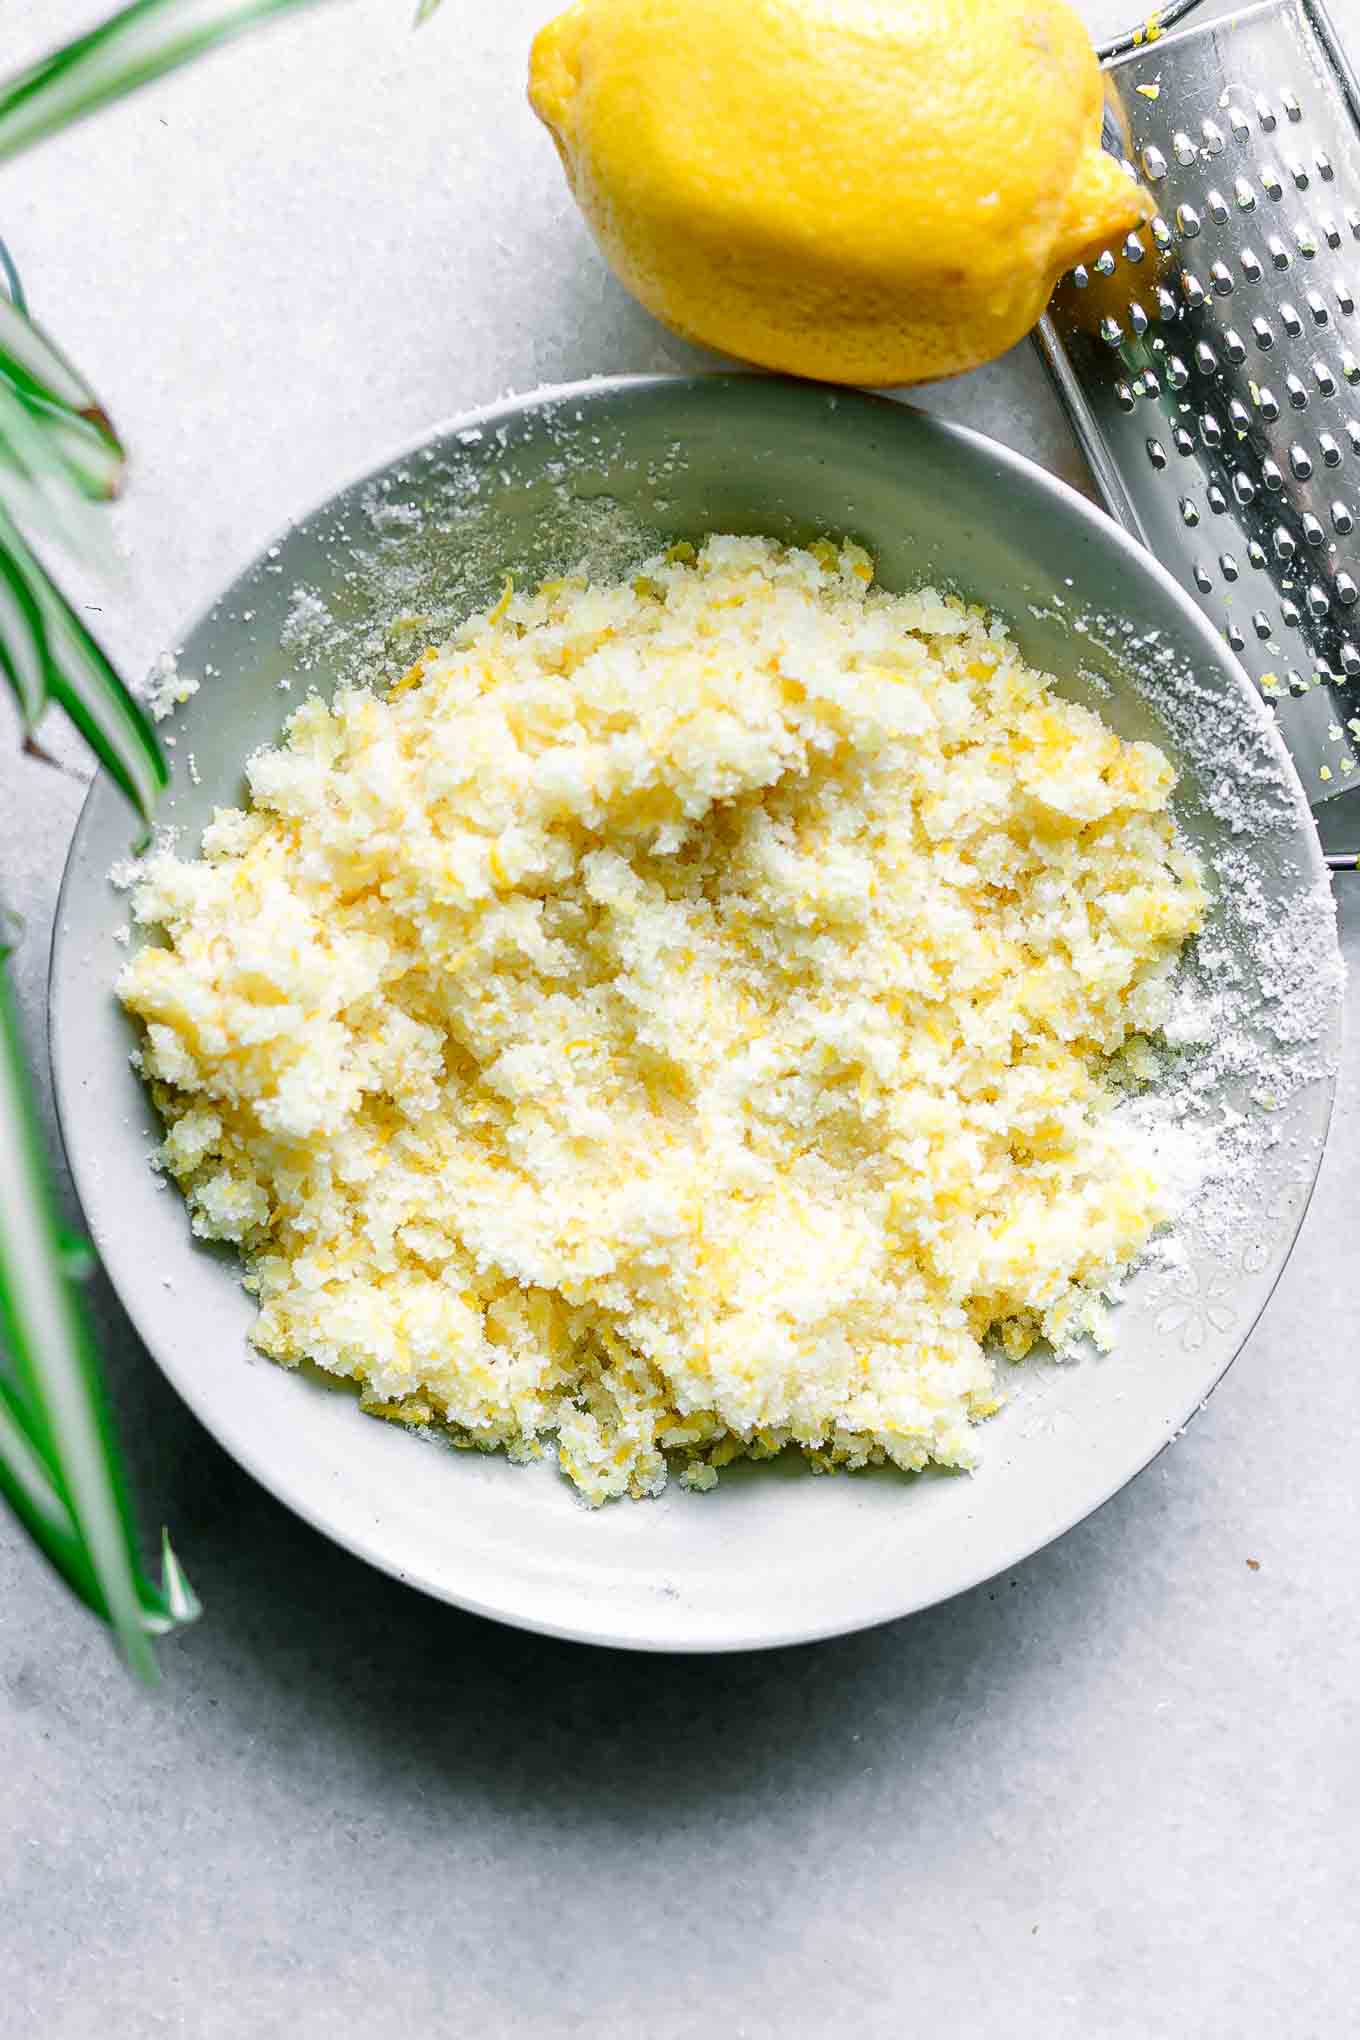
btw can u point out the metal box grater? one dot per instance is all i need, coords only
(1211, 365)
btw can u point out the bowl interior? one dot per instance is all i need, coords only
(601, 475)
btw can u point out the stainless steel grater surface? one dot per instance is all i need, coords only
(1211, 365)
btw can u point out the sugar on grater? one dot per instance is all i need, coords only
(1211, 364)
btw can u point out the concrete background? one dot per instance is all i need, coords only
(1114, 1794)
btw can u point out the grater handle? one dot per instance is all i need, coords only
(1159, 19)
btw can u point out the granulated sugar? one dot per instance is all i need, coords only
(673, 1020)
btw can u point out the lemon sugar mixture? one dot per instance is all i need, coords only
(678, 1020)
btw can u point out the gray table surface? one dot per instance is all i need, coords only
(1115, 1793)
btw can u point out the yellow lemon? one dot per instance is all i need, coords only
(871, 191)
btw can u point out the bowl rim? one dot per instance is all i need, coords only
(1070, 503)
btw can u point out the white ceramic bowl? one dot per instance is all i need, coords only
(609, 470)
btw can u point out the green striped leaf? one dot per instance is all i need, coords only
(10, 278)
(58, 454)
(64, 430)
(37, 486)
(80, 678)
(59, 1466)
(130, 49)
(88, 454)
(35, 365)
(76, 437)
(28, 1485)
(113, 723)
(23, 641)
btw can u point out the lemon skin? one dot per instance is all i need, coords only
(865, 191)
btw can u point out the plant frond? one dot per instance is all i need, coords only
(59, 1467)
(138, 44)
(77, 674)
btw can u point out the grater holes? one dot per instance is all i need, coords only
(1189, 514)
(1289, 617)
(1262, 334)
(1239, 418)
(1081, 276)
(1267, 403)
(1291, 106)
(1111, 332)
(1177, 374)
(1353, 434)
(1256, 554)
(1183, 149)
(1313, 533)
(1244, 488)
(1300, 462)
(1182, 441)
(1317, 308)
(1251, 265)
(1123, 396)
(1243, 196)
(1322, 163)
(1234, 346)
(1192, 290)
(1278, 253)
(1272, 475)
(1203, 578)
(1296, 393)
(1350, 367)
(1330, 451)
(1265, 113)
(1345, 297)
(1216, 205)
(1298, 171)
(1156, 453)
(1316, 600)
(1210, 431)
(1154, 164)
(1104, 263)
(1160, 231)
(1272, 182)
(1166, 304)
(1353, 222)
(1227, 566)
(1346, 590)
(1206, 361)
(1134, 251)
(1237, 121)
(1290, 320)
(1342, 519)
(1188, 223)
(1214, 138)
(1350, 659)
(1283, 541)
(1331, 232)
(1260, 623)
(1138, 320)
(1323, 377)
(1235, 637)
(1220, 279)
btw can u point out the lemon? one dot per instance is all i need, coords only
(870, 191)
